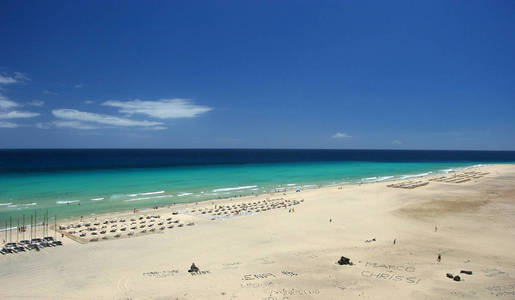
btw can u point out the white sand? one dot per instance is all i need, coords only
(280, 255)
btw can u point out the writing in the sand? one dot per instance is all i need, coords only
(161, 274)
(390, 276)
(502, 290)
(288, 273)
(258, 276)
(267, 275)
(390, 268)
(256, 284)
(200, 273)
(294, 292)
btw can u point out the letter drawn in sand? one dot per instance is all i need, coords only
(161, 274)
(257, 276)
(200, 273)
(288, 273)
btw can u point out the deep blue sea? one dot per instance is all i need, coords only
(114, 180)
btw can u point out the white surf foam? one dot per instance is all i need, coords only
(147, 198)
(152, 193)
(67, 202)
(235, 188)
(7, 229)
(146, 194)
(6, 204)
(184, 194)
(97, 199)
(415, 175)
(376, 179)
(307, 186)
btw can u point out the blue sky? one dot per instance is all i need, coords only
(258, 74)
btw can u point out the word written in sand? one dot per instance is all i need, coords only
(390, 276)
(200, 273)
(161, 274)
(288, 273)
(258, 276)
(256, 284)
(390, 268)
(294, 292)
(502, 290)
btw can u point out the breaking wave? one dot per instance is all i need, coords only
(147, 198)
(67, 202)
(184, 194)
(235, 188)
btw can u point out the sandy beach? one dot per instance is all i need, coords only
(392, 236)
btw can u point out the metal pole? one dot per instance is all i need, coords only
(55, 226)
(24, 228)
(10, 231)
(18, 230)
(35, 223)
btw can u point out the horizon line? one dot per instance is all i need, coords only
(302, 149)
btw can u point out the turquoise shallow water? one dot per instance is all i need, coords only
(109, 190)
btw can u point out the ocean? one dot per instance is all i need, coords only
(73, 183)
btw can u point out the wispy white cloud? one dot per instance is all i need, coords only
(8, 125)
(36, 103)
(74, 125)
(157, 128)
(17, 77)
(79, 85)
(47, 92)
(341, 135)
(7, 79)
(88, 102)
(161, 109)
(21, 76)
(396, 142)
(5, 103)
(76, 115)
(43, 125)
(18, 114)
(6, 112)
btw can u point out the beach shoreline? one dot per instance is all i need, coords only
(287, 190)
(392, 236)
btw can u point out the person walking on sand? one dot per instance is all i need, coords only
(394, 240)
(439, 258)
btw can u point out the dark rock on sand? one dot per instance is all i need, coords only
(193, 268)
(344, 261)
